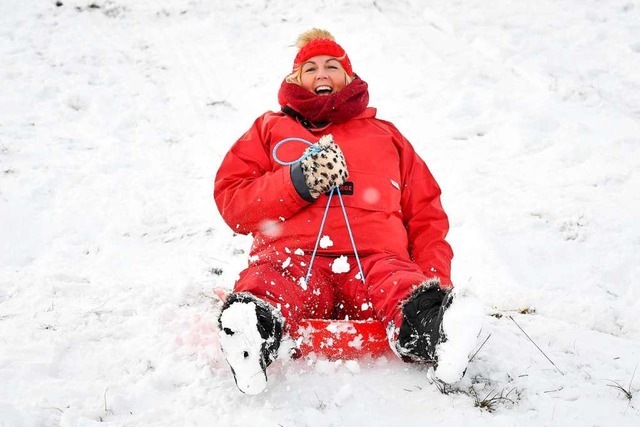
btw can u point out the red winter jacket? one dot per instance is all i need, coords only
(391, 199)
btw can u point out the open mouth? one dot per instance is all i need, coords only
(323, 90)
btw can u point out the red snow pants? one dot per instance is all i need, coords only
(275, 278)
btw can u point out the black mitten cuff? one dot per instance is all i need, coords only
(299, 183)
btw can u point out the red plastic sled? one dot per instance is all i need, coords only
(342, 339)
(337, 339)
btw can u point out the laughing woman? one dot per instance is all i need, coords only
(390, 197)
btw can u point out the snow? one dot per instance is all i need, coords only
(326, 242)
(286, 263)
(338, 327)
(340, 265)
(462, 325)
(114, 119)
(243, 347)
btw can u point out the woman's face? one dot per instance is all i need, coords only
(323, 75)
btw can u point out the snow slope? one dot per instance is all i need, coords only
(115, 114)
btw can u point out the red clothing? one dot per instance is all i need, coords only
(393, 208)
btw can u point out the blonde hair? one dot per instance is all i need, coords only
(314, 33)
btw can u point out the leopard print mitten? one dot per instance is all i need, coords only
(325, 167)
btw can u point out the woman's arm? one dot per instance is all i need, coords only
(250, 190)
(426, 222)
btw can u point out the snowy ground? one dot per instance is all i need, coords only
(114, 116)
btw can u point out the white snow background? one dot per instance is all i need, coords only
(114, 116)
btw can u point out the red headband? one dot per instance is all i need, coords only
(323, 46)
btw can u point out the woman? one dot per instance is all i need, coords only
(391, 200)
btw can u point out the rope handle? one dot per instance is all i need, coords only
(315, 150)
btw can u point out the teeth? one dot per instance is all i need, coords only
(323, 89)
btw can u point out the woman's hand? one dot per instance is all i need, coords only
(325, 167)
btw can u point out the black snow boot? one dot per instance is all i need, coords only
(421, 330)
(250, 335)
